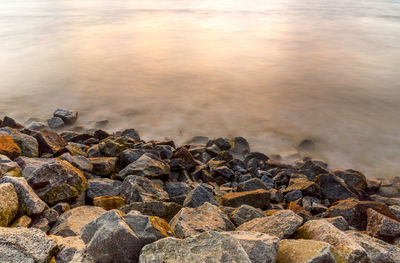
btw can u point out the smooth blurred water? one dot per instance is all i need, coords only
(274, 71)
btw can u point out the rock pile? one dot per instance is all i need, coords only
(93, 196)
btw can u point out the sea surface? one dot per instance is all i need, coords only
(273, 71)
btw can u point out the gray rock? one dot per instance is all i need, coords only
(281, 224)
(8, 167)
(103, 165)
(69, 247)
(293, 196)
(36, 126)
(166, 151)
(148, 167)
(251, 185)
(49, 142)
(239, 147)
(137, 189)
(396, 210)
(165, 210)
(68, 116)
(80, 162)
(8, 203)
(388, 191)
(207, 247)
(192, 221)
(333, 188)
(131, 133)
(26, 245)
(71, 222)
(29, 202)
(339, 222)
(381, 226)
(103, 186)
(130, 155)
(55, 122)
(177, 188)
(198, 197)
(245, 213)
(28, 144)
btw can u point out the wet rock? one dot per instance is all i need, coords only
(103, 165)
(69, 247)
(8, 167)
(71, 222)
(55, 122)
(239, 147)
(207, 246)
(192, 221)
(36, 126)
(245, 213)
(339, 222)
(68, 116)
(148, 167)
(198, 196)
(103, 186)
(257, 198)
(188, 161)
(8, 147)
(23, 221)
(49, 142)
(306, 251)
(221, 143)
(165, 151)
(131, 133)
(57, 181)
(26, 245)
(137, 189)
(381, 226)
(321, 230)
(378, 250)
(165, 210)
(8, 204)
(28, 202)
(355, 212)
(109, 202)
(94, 151)
(352, 178)
(80, 162)
(333, 189)
(101, 135)
(281, 224)
(251, 185)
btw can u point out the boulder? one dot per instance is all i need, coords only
(281, 224)
(8, 167)
(68, 116)
(8, 147)
(26, 245)
(321, 230)
(192, 221)
(71, 222)
(333, 188)
(245, 213)
(8, 203)
(103, 165)
(28, 201)
(57, 181)
(80, 162)
(207, 247)
(109, 202)
(102, 186)
(257, 198)
(49, 142)
(307, 251)
(165, 210)
(137, 189)
(381, 226)
(198, 196)
(148, 167)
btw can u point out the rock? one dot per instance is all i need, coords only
(339, 222)
(109, 202)
(239, 147)
(148, 167)
(165, 151)
(28, 201)
(332, 188)
(321, 230)
(71, 222)
(192, 221)
(103, 165)
(9, 122)
(207, 247)
(306, 145)
(29, 165)
(131, 133)
(281, 224)
(245, 213)
(61, 207)
(381, 226)
(251, 185)
(137, 189)
(80, 162)
(49, 142)
(378, 250)
(307, 251)
(8, 147)
(23, 221)
(198, 197)
(388, 191)
(8, 204)
(396, 210)
(26, 245)
(354, 179)
(68, 116)
(82, 257)
(299, 210)
(8, 167)
(165, 210)
(223, 172)
(306, 187)
(57, 181)
(113, 147)
(102, 235)
(355, 212)
(42, 224)
(37, 126)
(257, 198)
(55, 122)
(221, 143)
(188, 161)
(131, 155)
(386, 200)
(103, 186)
(28, 144)
(75, 149)
(293, 196)
(69, 247)
(177, 189)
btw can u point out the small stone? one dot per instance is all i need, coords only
(8, 147)
(55, 122)
(339, 222)
(80, 162)
(165, 210)
(198, 197)
(103, 165)
(108, 202)
(245, 213)
(257, 198)
(8, 203)
(23, 221)
(148, 167)
(68, 116)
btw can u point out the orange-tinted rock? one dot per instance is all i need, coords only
(258, 198)
(109, 202)
(8, 147)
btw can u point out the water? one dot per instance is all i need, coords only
(274, 71)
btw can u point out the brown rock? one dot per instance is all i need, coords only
(258, 198)
(381, 226)
(109, 202)
(8, 147)
(49, 142)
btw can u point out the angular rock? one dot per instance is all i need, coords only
(165, 210)
(352, 178)
(321, 230)
(61, 207)
(103, 165)
(49, 142)
(192, 221)
(239, 147)
(257, 198)
(9, 122)
(177, 189)
(8, 147)
(207, 247)
(55, 122)
(28, 144)
(339, 222)
(332, 188)
(130, 155)
(80, 162)
(381, 226)
(113, 147)
(281, 224)
(68, 116)
(8, 167)
(245, 213)
(396, 210)
(71, 222)
(26, 245)
(148, 167)
(198, 197)
(251, 185)
(109, 202)
(23, 221)
(137, 189)
(69, 247)
(307, 251)
(29, 202)
(306, 187)
(8, 203)
(131, 133)
(103, 186)
(188, 161)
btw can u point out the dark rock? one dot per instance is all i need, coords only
(101, 135)
(245, 213)
(165, 210)
(165, 151)
(257, 198)
(239, 147)
(9, 122)
(131, 133)
(61, 207)
(80, 162)
(103, 166)
(49, 142)
(198, 197)
(381, 226)
(138, 189)
(221, 143)
(103, 186)
(332, 188)
(293, 195)
(251, 185)
(68, 116)
(55, 122)
(147, 166)
(188, 161)
(339, 222)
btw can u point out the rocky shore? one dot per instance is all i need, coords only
(69, 194)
